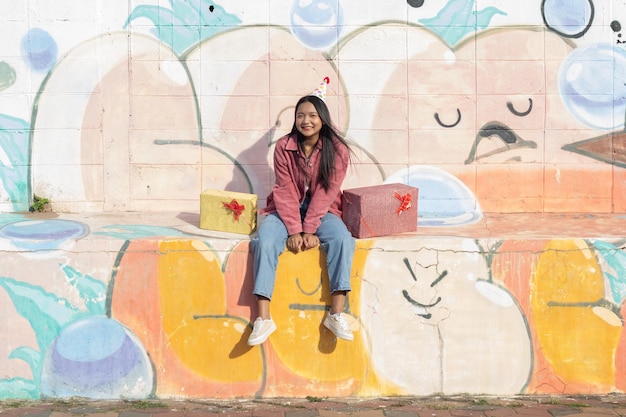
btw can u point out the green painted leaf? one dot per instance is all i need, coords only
(459, 18)
(616, 259)
(18, 388)
(29, 355)
(188, 23)
(91, 290)
(14, 142)
(7, 75)
(46, 313)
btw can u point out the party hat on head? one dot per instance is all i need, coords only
(320, 91)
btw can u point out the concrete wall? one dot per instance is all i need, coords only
(101, 309)
(138, 106)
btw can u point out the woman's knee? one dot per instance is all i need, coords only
(260, 245)
(272, 234)
(343, 236)
(332, 227)
(340, 244)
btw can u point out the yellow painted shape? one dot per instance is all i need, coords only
(192, 296)
(579, 343)
(299, 304)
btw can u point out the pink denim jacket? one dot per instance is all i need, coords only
(291, 184)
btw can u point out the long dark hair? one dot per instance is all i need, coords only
(327, 133)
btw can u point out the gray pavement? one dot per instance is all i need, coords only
(432, 406)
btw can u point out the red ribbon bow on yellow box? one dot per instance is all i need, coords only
(235, 208)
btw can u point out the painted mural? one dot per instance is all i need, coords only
(486, 106)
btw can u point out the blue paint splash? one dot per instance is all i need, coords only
(569, 18)
(35, 235)
(591, 85)
(317, 23)
(458, 18)
(14, 154)
(187, 23)
(96, 358)
(39, 50)
(443, 199)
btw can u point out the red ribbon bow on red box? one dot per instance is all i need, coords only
(235, 208)
(405, 202)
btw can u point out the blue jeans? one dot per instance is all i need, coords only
(271, 240)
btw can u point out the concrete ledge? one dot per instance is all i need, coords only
(497, 225)
(134, 305)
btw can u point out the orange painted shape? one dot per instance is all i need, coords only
(513, 265)
(133, 300)
(239, 279)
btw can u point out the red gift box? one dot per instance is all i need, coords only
(380, 210)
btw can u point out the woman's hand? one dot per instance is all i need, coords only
(310, 241)
(302, 241)
(295, 242)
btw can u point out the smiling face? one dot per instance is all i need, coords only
(308, 121)
(435, 324)
(422, 309)
(301, 298)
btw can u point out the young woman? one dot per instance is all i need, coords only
(304, 211)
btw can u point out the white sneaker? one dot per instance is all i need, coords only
(261, 331)
(337, 324)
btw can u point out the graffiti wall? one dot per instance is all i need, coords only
(487, 106)
(140, 311)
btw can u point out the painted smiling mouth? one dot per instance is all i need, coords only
(419, 305)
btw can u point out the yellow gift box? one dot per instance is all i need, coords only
(228, 211)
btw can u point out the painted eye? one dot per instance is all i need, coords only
(447, 124)
(512, 109)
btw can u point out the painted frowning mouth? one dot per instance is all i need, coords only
(509, 138)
